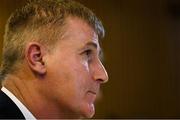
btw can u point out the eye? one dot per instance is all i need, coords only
(88, 54)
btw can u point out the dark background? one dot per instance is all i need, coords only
(142, 56)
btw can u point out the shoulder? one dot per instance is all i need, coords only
(8, 108)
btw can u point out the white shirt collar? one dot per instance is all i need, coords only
(27, 114)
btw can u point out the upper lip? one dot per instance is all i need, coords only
(94, 90)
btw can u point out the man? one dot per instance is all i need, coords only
(51, 64)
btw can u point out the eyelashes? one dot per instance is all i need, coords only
(88, 52)
(88, 55)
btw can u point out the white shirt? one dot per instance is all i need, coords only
(27, 114)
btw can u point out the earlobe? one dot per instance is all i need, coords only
(34, 56)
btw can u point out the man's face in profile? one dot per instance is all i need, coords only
(74, 70)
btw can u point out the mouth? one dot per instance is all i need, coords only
(92, 92)
(91, 96)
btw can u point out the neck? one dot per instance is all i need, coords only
(28, 92)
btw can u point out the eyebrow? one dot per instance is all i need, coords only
(100, 54)
(92, 44)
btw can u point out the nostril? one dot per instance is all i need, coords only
(100, 81)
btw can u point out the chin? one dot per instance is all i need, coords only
(90, 115)
(87, 115)
(88, 111)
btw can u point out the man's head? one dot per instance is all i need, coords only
(41, 21)
(58, 41)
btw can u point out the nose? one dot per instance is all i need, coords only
(100, 73)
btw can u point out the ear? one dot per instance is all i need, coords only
(34, 54)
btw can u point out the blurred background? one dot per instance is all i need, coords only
(142, 56)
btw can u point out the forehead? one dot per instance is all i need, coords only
(77, 29)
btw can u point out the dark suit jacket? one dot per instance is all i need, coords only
(8, 109)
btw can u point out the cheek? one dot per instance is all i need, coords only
(70, 81)
(81, 78)
(81, 73)
(85, 66)
(73, 78)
